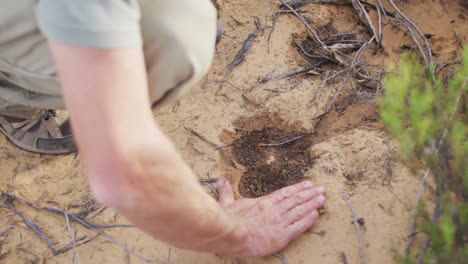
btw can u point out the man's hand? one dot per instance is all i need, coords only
(270, 222)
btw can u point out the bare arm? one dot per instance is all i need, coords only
(129, 163)
(133, 167)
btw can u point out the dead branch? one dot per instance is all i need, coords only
(356, 224)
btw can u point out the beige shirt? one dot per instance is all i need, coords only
(90, 23)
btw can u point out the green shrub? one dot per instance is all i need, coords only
(428, 116)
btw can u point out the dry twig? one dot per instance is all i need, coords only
(280, 257)
(75, 257)
(284, 142)
(365, 19)
(214, 145)
(356, 224)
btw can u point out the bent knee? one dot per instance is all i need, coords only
(179, 44)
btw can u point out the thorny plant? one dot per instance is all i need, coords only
(427, 115)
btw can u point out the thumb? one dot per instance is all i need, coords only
(226, 195)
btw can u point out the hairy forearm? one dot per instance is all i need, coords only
(130, 164)
(166, 200)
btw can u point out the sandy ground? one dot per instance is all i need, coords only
(348, 152)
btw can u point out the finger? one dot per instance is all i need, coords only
(296, 229)
(300, 211)
(300, 198)
(284, 193)
(226, 195)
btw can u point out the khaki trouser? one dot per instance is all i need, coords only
(178, 36)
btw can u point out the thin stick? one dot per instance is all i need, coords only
(382, 8)
(295, 72)
(213, 189)
(208, 181)
(80, 242)
(280, 257)
(322, 84)
(365, 19)
(427, 243)
(115, 241)
(61, 212)
(415, 40)
(358, 229)
(245, 50)
(39, 233)
(419, 31)
(355, 61)
(274, 20)
(75, 257)
(29, 251)
(380, 34)
(169, 254)
(312, 33)
(214, 145)
(6, 230)
(282, 143)
(409, 238)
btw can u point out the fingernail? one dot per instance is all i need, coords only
(321, 189)
(220, 182)
(314, 214)
(321, 199)
(308, 184)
